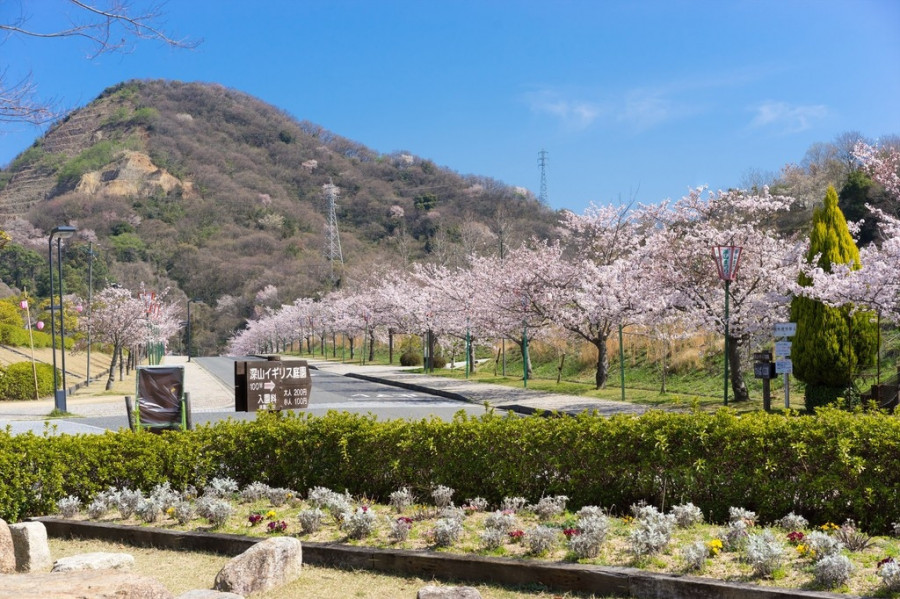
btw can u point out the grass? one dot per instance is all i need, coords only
(183, 571)
(796, 570)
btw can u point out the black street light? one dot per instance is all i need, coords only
(61, 232)
(189, 326)
(727, 260)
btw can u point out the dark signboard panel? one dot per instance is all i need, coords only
(271, 385)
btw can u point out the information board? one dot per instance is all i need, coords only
(785, 329)
(271, 385)
(784, 367)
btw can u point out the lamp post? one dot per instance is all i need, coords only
(61, 232)
(727, 259)
(90, 311)
(524, 341)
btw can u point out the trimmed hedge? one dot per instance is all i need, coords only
(828, 467)
(17, 381)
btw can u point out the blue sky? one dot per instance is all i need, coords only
(635, 100)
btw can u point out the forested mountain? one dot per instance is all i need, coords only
(213, 192)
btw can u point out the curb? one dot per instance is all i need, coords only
(557, 576)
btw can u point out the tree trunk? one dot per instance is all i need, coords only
(602, 363)
(665, 366)
(390, 346)
(371, 345)
(471, 356)
(351, 348)
(738, 387)
(112, 368)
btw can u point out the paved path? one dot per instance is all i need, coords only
(498, 396)
(210, 394)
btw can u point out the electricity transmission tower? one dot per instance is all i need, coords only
(542, 162)
(332, 237)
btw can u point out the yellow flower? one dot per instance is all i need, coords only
(627, 519)
(714, 546)
(271, 515)
(170, 511)
(805, 550)
(828, 526)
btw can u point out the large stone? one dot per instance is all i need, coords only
(207, 594)
(7, 550)
(264, 566)
(94, 561)
(95, 584)
(436, 592)
(32, 549)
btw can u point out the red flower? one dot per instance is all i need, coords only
(887, 560)
(255, 518)
(405, 520)
(516, 534)
(571, 532)
(795, 537)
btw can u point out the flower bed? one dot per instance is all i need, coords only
(789, 553)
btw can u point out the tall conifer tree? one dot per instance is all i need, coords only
(831, 344)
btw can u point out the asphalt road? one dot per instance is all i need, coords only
(329, 392)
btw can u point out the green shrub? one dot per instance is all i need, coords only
(17, 381)
(439, 361)
(410, 358)
(13, 335)
(95, 157)
(817, 396)
(830, 466)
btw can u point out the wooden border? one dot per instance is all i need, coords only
(428, 564)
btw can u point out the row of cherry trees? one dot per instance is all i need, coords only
(646, 266)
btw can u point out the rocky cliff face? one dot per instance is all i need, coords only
(132, 174)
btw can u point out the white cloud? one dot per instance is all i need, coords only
(787, 117)
(572, 113)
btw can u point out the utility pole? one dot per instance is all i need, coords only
(332, 237)
(542, 162)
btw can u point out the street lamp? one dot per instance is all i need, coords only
(189, 327)
(727, 259)
(61, 232)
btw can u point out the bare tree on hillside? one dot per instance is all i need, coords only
(107, 25)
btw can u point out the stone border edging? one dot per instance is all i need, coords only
(558, 576)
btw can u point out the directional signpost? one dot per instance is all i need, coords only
(271, 385)
(783, 350)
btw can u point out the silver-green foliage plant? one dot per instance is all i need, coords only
(739, 513)
(400, 528)
(734, 537)
(651, 531)
(149, 510)
(889, 572)
(68, 506)
(895, 529)
(97, 508)
(311, 520)
(401, 499)
(335, 503)
(687, 515)
(278, 496)
(446, 531)
(549, 507)
(127, 501)
(832, 570)
(792, 522)
(492, 538)
(165, 496)
(541, 539)
(513, 504)
(184, 511)
(456, 513)
(822, 544)
(254, 492)
(218, 511)
(764, 553)
(503, 521)
(592, 530)
(851, 537)
(221, 487)
(443, 496)
(590, 511)
(360, 523)
(694, 555)
(478, 504)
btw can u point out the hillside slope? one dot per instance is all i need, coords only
(211, 191)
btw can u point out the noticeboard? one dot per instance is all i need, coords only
(271, 385)
(764, 370)
(784, 367)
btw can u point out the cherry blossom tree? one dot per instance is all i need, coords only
(680, 245)
(118, 319)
